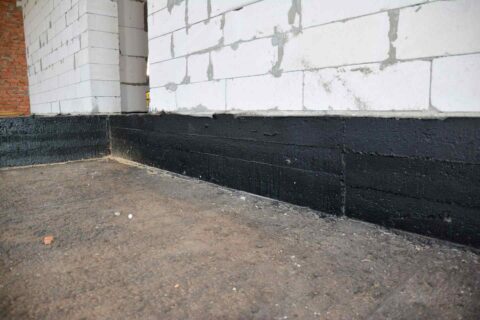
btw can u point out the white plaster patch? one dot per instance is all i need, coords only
(197, 10)
(456, 83)
(265, 92)
(199, 37)
(249, 58)
(162, 99)
(402, 86)
(360, 40)
(160, 49)
(315, 12)
(257, 20)
(202, 96)
(156, 5)
(164, 21)
(198, 67)
(439, 28)
(171, 71)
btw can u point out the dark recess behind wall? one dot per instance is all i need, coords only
(412, 174)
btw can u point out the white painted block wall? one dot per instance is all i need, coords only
(133, 55)
(415, 56)
(72, 55)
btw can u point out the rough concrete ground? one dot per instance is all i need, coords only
(194, 250)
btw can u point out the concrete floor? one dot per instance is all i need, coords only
(194, 250)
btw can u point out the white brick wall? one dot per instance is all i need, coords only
(355, 41)
(460, 90)
(133, 55)
(168, 72)
(102, 7)
(160, 48)
(99, 39)
(133, 42)
(199, 37)
(202, 95)
(164, 98)
(257, 21)
(369, 87)
(249, 58)
(439, 29)
(265, 92)
(133, 69)
(131, 14)
(221, 6)
(317, 12)
(72, 55)
(198, 67)
(133, 97)
(165, 21)
(156, 5)
(323, 55)
(197, 11)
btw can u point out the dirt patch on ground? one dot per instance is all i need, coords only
(192, 250)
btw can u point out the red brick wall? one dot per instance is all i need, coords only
(13, 65)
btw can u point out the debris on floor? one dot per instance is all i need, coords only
(48, 240)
